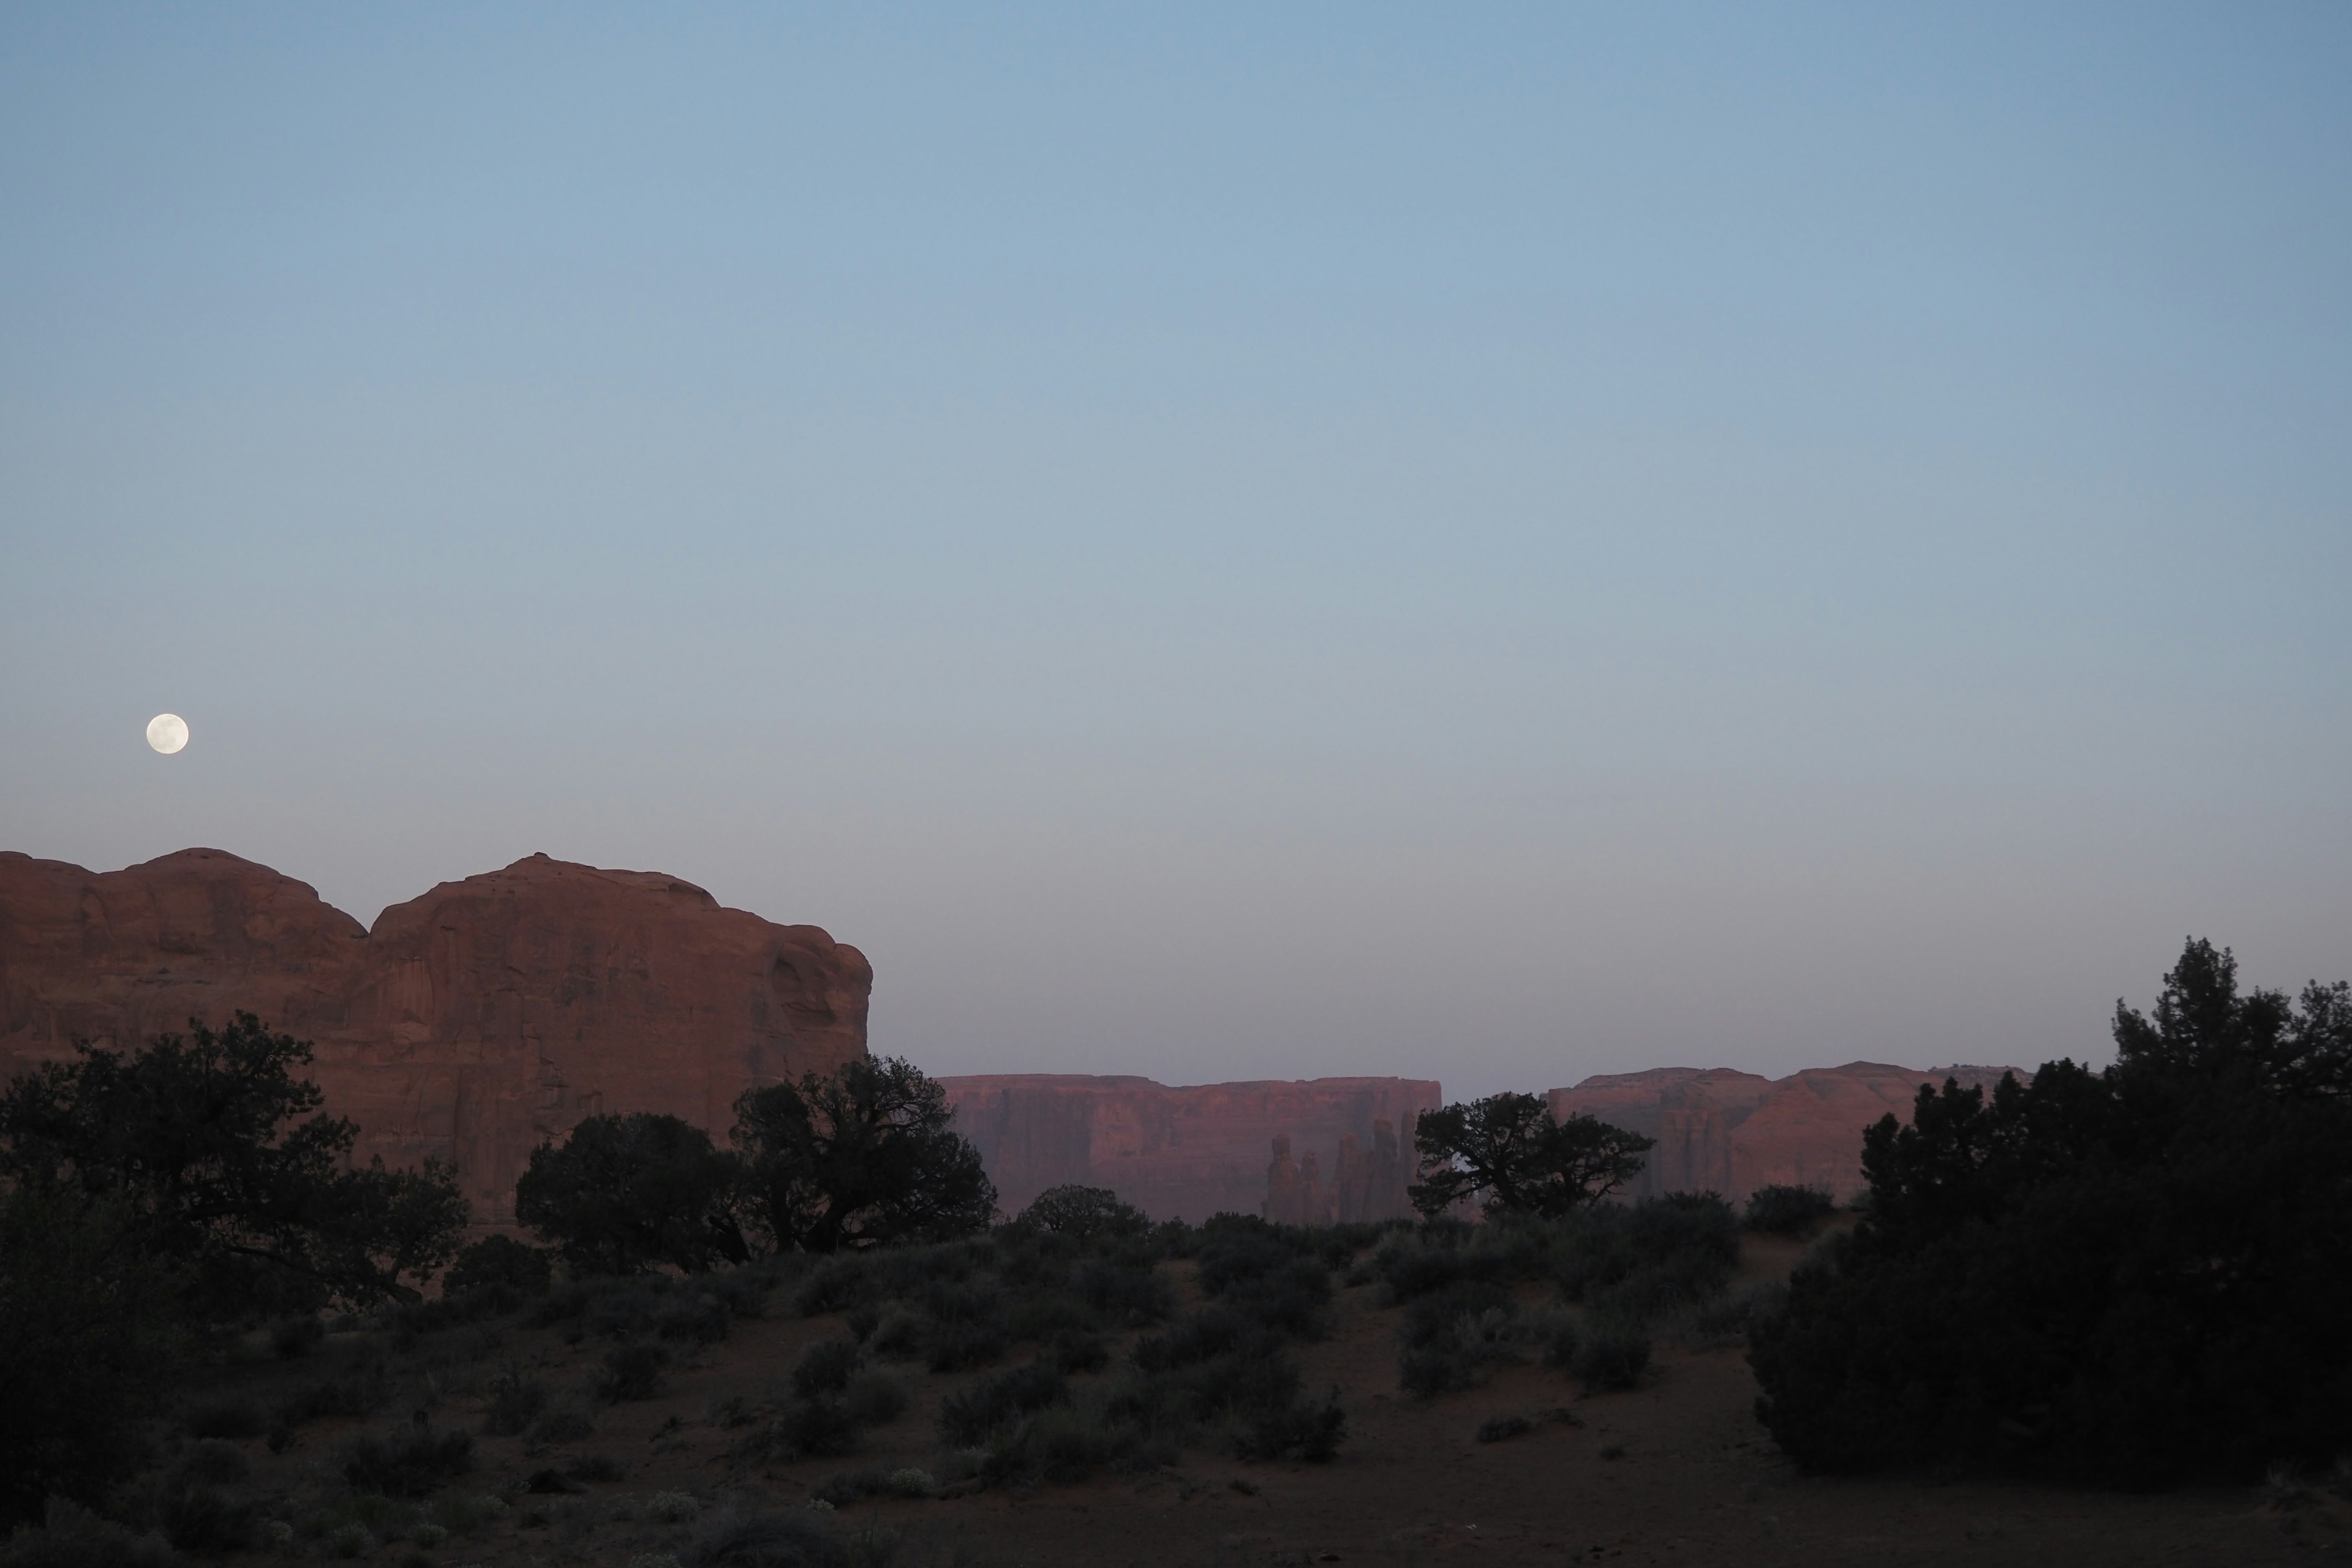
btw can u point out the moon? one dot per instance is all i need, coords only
(167, 733)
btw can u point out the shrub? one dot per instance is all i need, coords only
(410, 1464)
(826, 1367)
(1452, 1335)
(596, 1467)
(206, 1520)
(1061, 1445)
(701, 1319)
(970, 1417)
(672, 1508)
(231, 1416)
(960, 1346)
(297, 1336)
(2137, 1276)
(1124, 1292)
(875, 1398)
(1084, 1214)
(1727, 1319)
(1787, 1211)
(464, 1515)
(72, 1537)
(498, 1260)
(1295, 1428)
(1436, 1316)
(836, 1284)
(898, 1335)
(213, 1462)
(364, 1390)
(632, 1372)
(853, 1486)
(740, 1538)
(1613, 1356)
(1079, 1351)
(821, 1427)
(559, 1423)
(515, 1402)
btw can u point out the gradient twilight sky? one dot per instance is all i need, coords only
(1495, 544)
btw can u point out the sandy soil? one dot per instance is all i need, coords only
(1677, 1472)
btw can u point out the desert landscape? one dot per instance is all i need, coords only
(1031, 786)
(497, 1015)
(1675, 1471)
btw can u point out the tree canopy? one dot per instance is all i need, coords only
(623, 1195)
(858, 1157)
(1510, 1149)
(2137, 1275)
(209, 1146)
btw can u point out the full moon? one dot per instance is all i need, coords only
(167, 733)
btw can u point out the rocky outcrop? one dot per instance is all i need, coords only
(1190, 1153)
(469, 1023)
(1722, 1130)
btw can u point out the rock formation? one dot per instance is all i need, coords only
(1188, 1152)
(1728, 1131)
(468, 1025)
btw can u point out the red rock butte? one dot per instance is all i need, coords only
(1190, 1153)
(468, 1025)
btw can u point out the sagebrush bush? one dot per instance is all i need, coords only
(821, 1427)
(970, 1417)
(297, 1336)
(515, 1401)
(560, 1421)
(232, 1415)
(632, 1372)
(406, 1464)
(73, 1537)
(874, 1398)
(1611, 1357)
(738, 1537)
(826, 1367)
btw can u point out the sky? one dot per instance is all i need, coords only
(1491, 544)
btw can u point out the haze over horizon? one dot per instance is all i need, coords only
(1496, 547)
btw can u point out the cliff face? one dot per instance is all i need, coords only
(468, 1025)
(1732, 1132)
(1190, 1153)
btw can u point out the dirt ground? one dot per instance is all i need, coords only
(1676, 1471)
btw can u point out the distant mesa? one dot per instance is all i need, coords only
(498, 1011)
(1311, 1151)
(1722, 1130)
(468, 1025)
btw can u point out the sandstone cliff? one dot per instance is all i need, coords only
(469, 1023)
(1188, 1152)
(1728, 1131)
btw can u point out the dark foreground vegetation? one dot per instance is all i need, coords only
(2140, 1275)
(2137, 1276)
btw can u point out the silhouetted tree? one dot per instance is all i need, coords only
(207, 1148)
(1083, 1214)
(858, 1157)
(623, 1195)
(2132, 1276)
(1511, 1148)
